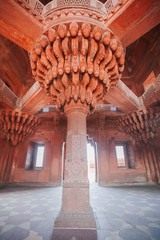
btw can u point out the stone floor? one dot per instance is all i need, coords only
(122, 213)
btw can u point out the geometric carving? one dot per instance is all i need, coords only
(141, 125)
(78, 61)
(17, 125)
(72, 2)
(108, 5)
(38, 7)
(77, 149)
(35, 8)
(99, 5)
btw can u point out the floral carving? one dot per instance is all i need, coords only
(77, 61)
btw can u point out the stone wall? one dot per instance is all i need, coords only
(13, 159)
(105, 132)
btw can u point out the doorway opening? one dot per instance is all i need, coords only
(91, 162)
(92, 159)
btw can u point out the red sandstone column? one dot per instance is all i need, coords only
(69, 60)
(76, 214)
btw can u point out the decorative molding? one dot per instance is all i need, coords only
(73, 2)
(38, 10)
(66, 15)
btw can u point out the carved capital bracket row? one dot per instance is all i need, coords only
(17, 125)
(142, 125)
(78, 61)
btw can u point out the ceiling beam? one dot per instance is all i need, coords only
(152, 95)
(134, 19)
(7, 97)
(123, 98)
(34, 100)
(18, 25)
(120, 96)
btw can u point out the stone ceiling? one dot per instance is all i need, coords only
(141, 42)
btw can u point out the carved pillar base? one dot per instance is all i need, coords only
(76, 218)
(74, 234)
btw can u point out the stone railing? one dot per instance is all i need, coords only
(35, 7)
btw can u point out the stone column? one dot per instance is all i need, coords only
(76, 216)
(69, 60)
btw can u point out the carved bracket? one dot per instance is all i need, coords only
(141, 125)
(17, 125)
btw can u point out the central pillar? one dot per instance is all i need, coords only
(76, 60)
(76, 218)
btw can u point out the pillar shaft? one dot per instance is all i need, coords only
(76, 146)
(76, 212)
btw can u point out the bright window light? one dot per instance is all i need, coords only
(90, 153)
(40, 154)
(120, 156)
(46, 109)
(113, 108)
(91, 162)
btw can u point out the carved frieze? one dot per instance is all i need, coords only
(17, 125)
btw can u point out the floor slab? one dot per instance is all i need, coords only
(121, 213)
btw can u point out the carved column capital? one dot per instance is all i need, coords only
(77, 61)
(76, 106)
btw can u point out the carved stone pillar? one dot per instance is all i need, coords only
(77, 60)
(76, 212)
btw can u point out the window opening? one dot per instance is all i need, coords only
(35, 156)
(125, 155)
(120, 156)
(39, 157)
